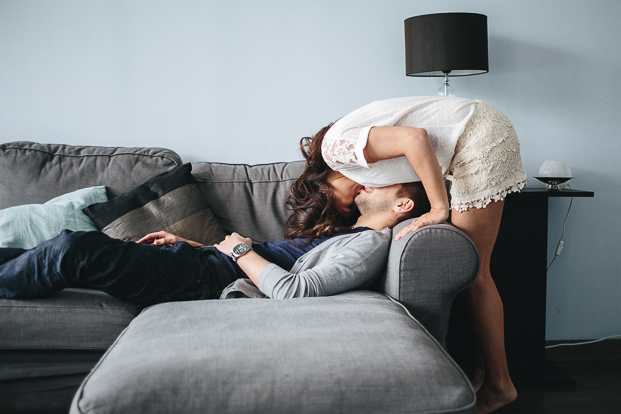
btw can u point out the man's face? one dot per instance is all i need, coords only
(377, 200)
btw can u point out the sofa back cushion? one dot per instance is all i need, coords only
(32, 173)
(248, 199)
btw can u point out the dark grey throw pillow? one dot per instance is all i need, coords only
(169, 202)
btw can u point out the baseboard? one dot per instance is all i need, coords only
(608, 350)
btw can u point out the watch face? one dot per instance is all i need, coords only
(240, 249)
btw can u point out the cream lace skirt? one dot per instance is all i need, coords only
(486, 165)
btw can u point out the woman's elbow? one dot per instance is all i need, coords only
(407, 138)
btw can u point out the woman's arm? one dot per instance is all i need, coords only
(413, 143)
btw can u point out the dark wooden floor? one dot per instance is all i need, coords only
(596, 368)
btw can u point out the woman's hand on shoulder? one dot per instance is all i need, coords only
(435, 216)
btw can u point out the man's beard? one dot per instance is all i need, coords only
(371, 205)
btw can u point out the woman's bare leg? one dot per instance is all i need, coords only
(486, 308)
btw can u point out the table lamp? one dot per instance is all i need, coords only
(554, 173)
(446, 43)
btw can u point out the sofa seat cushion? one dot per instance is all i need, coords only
(78, 319)
(358, 352)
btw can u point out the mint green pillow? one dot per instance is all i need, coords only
(28, 225)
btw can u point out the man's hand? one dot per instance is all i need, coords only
(162, 238)
(230, 241)
(251, 263)
(427, 219)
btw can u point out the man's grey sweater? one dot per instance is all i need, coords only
(342, 263)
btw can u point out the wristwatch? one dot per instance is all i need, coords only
(240, 250)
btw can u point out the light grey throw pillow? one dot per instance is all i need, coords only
(28, 225)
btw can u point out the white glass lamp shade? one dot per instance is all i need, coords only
(555, 174)
(552, 168)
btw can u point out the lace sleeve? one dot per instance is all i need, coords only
(344, 149)
(339, 153)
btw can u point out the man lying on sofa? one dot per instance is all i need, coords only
(162, 267)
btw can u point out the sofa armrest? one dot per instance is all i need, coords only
(426, 270)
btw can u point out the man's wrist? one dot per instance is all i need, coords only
(240, 250)
(244, 258)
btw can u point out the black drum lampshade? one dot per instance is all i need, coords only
(446, 43)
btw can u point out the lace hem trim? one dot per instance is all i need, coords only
(483, 202)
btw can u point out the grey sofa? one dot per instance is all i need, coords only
(372, 351)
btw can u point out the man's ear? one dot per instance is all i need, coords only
(404, 205)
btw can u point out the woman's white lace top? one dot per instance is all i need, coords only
(444, 119)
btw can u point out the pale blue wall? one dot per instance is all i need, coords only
(242, 81)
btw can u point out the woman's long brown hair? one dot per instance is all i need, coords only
(313, 213)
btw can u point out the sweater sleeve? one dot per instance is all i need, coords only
(352, 265)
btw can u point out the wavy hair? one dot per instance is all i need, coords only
(313, 213)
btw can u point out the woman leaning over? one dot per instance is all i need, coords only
(424, 139)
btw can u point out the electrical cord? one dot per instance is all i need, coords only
(561, 242)
(559, 247)
(583, 343)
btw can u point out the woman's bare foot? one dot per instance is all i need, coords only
(491, 398)
(476, 379)
(478, 375)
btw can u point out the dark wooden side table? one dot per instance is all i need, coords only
(519, 268)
